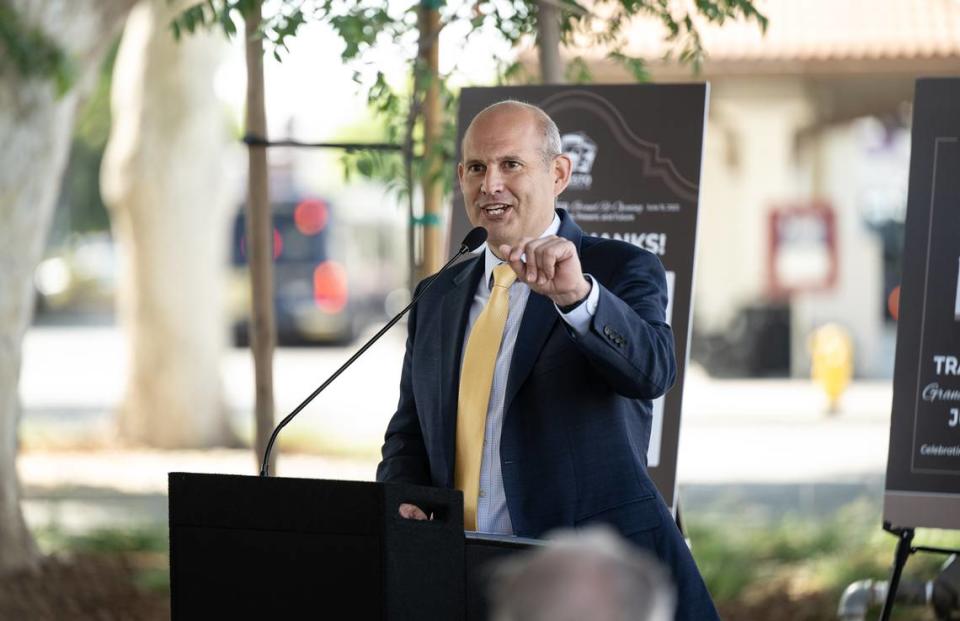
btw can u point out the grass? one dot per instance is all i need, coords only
(146, 548)
(740, 560)
(53, 539)
(743, 559)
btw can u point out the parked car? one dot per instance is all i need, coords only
(327, 281)
(79, 276)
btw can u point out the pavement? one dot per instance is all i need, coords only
(759, 447)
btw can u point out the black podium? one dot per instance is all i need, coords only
(276, 548)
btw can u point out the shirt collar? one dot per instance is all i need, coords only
(491, 260)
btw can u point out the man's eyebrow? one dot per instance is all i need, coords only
(502, 158)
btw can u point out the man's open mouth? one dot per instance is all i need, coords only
(495, 209)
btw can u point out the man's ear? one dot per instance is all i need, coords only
(562, 168)
(460, 172)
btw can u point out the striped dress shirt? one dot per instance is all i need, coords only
(492, 513)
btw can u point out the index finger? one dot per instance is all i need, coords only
(525, 268)
(514, 255)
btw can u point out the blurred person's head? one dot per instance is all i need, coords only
(592, 574)
(511, 172)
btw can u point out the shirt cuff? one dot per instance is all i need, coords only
(579, 318)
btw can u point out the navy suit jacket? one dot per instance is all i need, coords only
(577, 410)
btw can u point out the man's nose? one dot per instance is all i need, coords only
(492, 181)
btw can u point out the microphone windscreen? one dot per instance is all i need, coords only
(474, 238)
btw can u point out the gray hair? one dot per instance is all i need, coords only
(551, 146)
(592, 574)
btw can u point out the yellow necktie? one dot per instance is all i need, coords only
(476, 378)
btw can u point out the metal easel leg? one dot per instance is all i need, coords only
(903, 552)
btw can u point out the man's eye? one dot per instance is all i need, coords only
(475, 168)
(511, 165)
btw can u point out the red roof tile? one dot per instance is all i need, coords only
(818, 30)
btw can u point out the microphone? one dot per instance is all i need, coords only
(471, 242)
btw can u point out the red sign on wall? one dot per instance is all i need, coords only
(802, 244)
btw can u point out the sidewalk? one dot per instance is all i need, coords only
(82, 490)
(761, 443)
(777, 431)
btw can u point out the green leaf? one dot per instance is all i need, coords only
(636, 66)
(365, 166)
(33, 53)
(578, 72)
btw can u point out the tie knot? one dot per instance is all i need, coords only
(503, 276)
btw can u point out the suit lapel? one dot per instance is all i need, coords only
(539, 318)
(454, 312)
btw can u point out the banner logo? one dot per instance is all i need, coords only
(582, 151)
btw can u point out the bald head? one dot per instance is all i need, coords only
(512, 171)
(547, 131)
(591, 574)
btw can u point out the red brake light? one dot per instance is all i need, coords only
(277, 245)
(330, 286)
(310, 216)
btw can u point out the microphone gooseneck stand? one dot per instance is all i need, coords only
(470, 243)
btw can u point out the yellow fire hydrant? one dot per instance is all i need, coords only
(831, 362)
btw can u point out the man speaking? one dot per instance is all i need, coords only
(529, 370)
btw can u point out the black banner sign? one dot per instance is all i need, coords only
(637, 154)
(923, 467)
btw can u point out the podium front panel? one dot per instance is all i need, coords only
(242, 547)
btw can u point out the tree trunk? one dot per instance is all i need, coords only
(263, 331)
(434, 247)
(164, 180)
(35, 128)
(548, 42)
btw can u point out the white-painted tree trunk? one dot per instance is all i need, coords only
(164, 180)
(35, 130)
